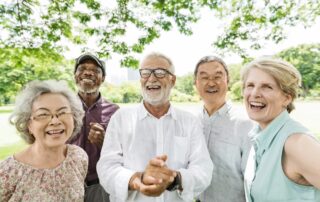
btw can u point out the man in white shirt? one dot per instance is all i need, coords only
(154, 152)
(226, 132)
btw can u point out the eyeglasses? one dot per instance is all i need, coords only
(47, 117)
(158, 73)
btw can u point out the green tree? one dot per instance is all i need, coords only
(185, 84)
(20, 65)
(57, 23)
(306, 58)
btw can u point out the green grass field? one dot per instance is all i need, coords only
(307, 112)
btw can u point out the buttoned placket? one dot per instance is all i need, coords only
(160, 144)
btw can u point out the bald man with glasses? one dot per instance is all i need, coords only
(154, 152)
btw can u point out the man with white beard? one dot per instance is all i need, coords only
(153, 151)
(89, 74)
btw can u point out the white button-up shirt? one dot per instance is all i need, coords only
(134, 136)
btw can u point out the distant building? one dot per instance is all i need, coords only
(117, 76)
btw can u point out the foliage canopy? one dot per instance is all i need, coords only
(105, 26)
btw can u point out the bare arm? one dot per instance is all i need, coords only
(301, 160)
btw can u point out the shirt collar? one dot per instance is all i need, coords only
(221, 112)
(143, 112)
(98, 101)
(263, 138)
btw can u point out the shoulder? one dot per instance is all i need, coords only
(109, 105)
(239, 117)
(185, 116)
(76, 153)
(7, 164)
(10, 172)
(300, 141)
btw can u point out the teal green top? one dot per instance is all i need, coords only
(269, 182)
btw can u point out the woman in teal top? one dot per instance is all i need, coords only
(284, 161)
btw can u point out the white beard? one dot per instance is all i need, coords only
(158, 99)
(87, 90)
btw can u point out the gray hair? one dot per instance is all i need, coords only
(160, 55)
(24, 101)
(286, 75)
(211, 58)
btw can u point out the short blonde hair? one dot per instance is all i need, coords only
(286, 75)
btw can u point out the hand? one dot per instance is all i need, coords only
(135, 183)
(158, 174)
(96, 134)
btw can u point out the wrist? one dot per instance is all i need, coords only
(176, 184)
(132, 182)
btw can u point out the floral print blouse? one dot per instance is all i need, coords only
(22, 182)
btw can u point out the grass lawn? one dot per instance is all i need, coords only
(8, 150)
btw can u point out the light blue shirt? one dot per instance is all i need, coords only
(264, 176)
(226, 133)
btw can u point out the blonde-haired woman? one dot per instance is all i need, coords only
(284, 162)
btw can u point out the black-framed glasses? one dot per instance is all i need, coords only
(47, 117)
(158, 73)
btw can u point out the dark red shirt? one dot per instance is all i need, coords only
(100, 112)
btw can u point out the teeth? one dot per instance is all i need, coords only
(153, 87)
(257, 104)
(51, 132)
(211, 90)
(87, 80)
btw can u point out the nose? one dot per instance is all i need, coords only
(211, 82)
(256, 92)
(88, 72)
(152, 77)
(54, 119)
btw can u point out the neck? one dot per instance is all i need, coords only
(47, 157)
(211, 108)
(157, 110)
(89, 98)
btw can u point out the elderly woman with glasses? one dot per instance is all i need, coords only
(47, 114)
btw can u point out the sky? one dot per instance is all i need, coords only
(185, 51)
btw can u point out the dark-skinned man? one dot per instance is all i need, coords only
(89, 74)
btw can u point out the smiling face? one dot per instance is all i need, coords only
(156, 91)
(264, 99)
(89, 77)
(51, 132)
(212, 84)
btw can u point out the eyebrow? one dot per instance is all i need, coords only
(46, 109)
(205, 73)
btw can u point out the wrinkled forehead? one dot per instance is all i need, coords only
(155, 62)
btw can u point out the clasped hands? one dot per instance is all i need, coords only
(155, 178)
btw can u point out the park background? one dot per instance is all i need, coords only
(41, 39)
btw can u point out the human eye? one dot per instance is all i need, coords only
(249, 85)
(160, 72)
(269, 87)
(42, 116)
(145, 73)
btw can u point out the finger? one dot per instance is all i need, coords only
(96, 126)
(148, 180)
(163, 157)
(157, 162)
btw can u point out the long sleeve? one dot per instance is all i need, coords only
(197, 176)
(114, 177)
